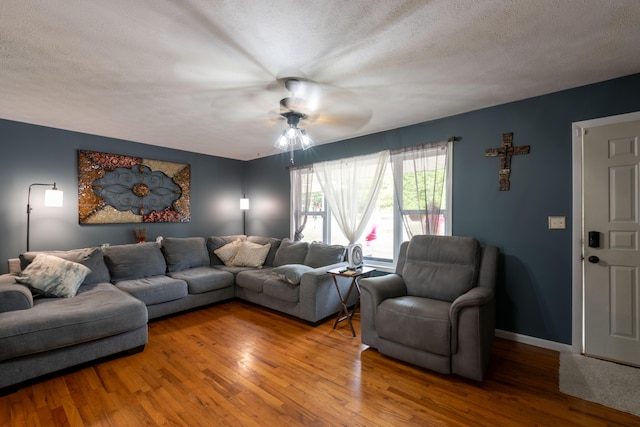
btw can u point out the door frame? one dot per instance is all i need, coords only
(577, 318)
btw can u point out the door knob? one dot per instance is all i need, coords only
(593, 259)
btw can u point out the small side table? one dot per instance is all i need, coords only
(355, 276)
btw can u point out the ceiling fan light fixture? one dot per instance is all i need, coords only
(293, 135)
(305, 140)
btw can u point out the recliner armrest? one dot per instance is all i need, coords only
(374, 290)
(383, 287)
(475, 297)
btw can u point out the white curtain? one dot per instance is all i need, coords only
(301, 180)
(351, 188)
(420, 176)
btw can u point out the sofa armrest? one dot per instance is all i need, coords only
(374, 290)
(318, 296)
(13, 296)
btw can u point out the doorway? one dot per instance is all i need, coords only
(579, 232)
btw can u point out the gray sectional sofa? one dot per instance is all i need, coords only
(127, 285)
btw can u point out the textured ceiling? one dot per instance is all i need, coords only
(203, 75)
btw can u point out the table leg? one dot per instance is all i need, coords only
(343, 305)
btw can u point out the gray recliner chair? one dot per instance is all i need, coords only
(438, 310)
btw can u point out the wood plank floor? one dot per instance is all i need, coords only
(235, 364)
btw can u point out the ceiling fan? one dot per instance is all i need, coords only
(322, 105)
(292, 108)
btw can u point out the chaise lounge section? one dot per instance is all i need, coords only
(41, 334)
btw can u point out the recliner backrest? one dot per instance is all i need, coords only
(441, 267)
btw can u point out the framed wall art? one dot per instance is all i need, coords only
(114, 188)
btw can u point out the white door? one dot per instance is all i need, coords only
(611, 194)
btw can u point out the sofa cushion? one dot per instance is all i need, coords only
(90, 257)
(291, 252)
(96, 312)
(441, 267)
(216, 242)
(53, 276)
(155, 289)
(321, 254)
(181, 253)
(228, 252)
(273, 241)
(251, 255)
(291, 273)
(204, 279)
(281, 290)
(231, 269)
(134, 261)
(404, 320)
(253, 279)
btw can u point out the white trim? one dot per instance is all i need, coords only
(538, 342)
(577, 320)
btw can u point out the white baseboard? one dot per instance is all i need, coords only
(538, 342)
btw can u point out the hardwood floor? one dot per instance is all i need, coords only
(236, 364)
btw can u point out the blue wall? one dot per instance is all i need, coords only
(40, 154)
(534, 294)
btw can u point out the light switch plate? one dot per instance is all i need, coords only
(557, 222)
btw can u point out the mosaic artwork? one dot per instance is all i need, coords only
(113, 188)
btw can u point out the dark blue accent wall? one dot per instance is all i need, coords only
(534, 291)
(33, 153)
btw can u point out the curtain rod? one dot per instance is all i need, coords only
(450, 139)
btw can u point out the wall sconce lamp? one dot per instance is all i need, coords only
(52, 198)
(244, 207)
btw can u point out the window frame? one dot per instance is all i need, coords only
(385, 264)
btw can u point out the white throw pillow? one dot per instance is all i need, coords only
(251, 255)
(53, 276)
(227, 252)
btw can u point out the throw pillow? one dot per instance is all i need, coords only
(216, 242)
(291, 273)
(92, 258)
(275, 244)
(321, 254)
(53, 276)
(251, 255)
(227, 252)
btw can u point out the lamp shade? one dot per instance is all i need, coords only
(244, 204)
(53, 198)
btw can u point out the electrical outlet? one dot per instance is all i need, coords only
(557, 222)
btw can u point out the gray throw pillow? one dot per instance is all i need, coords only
(182, 253)
(321, 254)
(53, 276)
(135, 261)
(93, 258)
(291, 252)
(291, 273)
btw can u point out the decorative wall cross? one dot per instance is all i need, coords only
(505, 152)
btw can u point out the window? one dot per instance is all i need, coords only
(413, 198)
